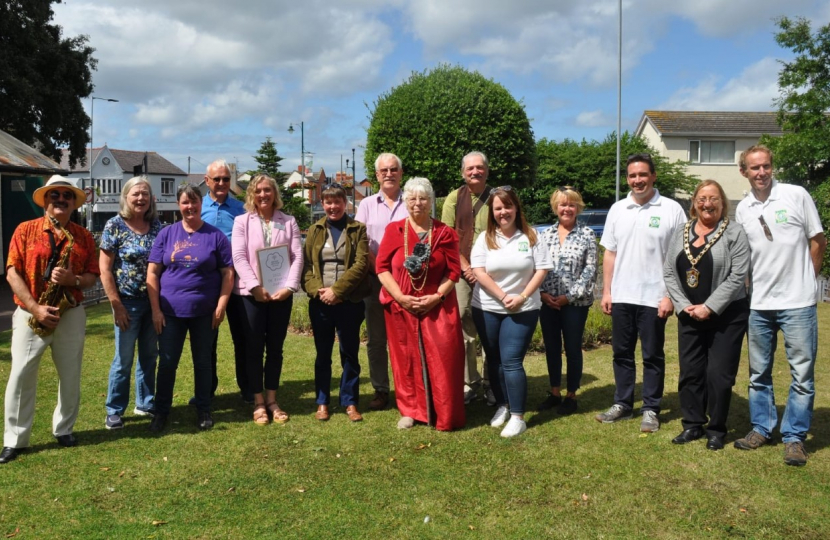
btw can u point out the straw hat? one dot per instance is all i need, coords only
(57, 181)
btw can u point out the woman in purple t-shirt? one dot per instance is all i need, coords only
(189, 281)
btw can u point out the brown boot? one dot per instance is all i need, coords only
(380, 401)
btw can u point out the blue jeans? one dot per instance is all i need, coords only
(171, 343)
(505, 338)
(140, 331)
(568, 324)
(800, 329)
(344, 319)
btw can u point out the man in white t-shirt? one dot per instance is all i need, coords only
(787, 247)
(636, 237)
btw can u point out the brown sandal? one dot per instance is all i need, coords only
(278, 415)
(260, 414)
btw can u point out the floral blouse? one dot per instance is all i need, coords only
(131, 252)
(574, 271)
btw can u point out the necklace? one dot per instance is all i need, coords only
(422, 275)
(693, 274)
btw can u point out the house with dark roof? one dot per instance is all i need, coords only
(111, 168)
(711, 141)
(22, 170)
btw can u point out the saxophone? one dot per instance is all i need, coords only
(56, 295)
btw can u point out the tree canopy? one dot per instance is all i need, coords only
(435, 118)
(803, 104)
(590, 167)
(269, 163)
(43, 77)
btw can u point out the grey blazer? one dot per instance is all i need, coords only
(730, 265)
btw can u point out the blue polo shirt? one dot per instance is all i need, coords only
(221, 215)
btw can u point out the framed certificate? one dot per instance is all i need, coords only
(272, 267)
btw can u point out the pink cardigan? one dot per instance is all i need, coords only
(247, 239)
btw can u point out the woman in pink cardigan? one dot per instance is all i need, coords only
(264, 225)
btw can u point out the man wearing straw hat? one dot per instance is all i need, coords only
(47, 254)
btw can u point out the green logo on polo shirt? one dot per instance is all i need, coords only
(523, 246)
(780, 216)
(654, 222)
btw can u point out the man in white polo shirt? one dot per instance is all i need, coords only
(787, 246)
(637, 234)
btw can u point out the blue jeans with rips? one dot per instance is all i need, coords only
(800, 329)
(141, 333)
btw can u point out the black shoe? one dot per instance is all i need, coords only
(550, 402)
(715, 442)
(9, 454)
(567, 407)
(205, 420)
(689, 435)
(158, 423)
(67, 441)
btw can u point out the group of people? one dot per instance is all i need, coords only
(426, 289)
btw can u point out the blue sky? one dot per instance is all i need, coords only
(203, 80)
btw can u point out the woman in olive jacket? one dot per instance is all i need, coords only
(335, 270)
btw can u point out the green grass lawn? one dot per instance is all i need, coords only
(565, 477)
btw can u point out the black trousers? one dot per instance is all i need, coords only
(235, 314)
(628, 321)
(710, 352)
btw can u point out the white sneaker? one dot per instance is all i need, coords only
(501, 416)
(516, 426)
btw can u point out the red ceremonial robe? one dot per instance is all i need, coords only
(440, 364)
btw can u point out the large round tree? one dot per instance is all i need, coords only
(434, 118)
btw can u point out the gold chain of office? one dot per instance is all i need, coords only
(693, 274)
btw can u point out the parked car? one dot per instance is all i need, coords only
(541, 227)
(594, 219)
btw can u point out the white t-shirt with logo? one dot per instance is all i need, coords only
(782, 272)
(511, 266)
(640, 236)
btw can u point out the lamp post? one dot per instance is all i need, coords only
(302, 146)
(91, 146)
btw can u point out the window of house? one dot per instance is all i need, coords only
(712, 151)
(167, 186)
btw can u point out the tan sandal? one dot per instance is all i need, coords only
(278, 415)
(261, 414)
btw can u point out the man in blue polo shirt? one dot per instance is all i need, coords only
(219, 209)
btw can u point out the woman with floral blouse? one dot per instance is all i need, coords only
(567, 295)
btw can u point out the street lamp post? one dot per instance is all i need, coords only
(91, 147)
(302, 146)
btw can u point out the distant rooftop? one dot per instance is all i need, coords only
(16, 156)
(128, 159)
(711, 123)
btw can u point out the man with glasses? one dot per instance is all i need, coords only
(787, 247)
(48, 253)
(466, 209)
(219, 209)
(637, 234)
(376, 212)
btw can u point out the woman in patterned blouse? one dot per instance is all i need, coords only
(567, 295)
(125, 248)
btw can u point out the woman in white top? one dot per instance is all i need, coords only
(509, 265)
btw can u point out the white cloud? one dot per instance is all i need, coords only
(596, 118)
(752, 90)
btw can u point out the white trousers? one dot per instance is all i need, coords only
(67, 343)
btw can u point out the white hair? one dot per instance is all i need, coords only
(387, 155)
(219, 163)
(418, 186)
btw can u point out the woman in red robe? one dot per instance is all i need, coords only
(418, 266)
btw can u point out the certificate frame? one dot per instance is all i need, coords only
(273, 264)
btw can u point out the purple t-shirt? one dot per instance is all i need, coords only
(191, 280)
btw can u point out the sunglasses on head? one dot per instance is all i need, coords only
(505, 188)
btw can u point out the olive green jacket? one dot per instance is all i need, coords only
(354, 284)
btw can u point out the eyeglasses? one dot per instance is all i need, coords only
(221, 179)
(767, 232)
(505, 188)
(334, 185)
(565, 189)
(56, 195)
(390, 170)
(704, 200)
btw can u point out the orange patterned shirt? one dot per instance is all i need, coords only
(30, 250)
